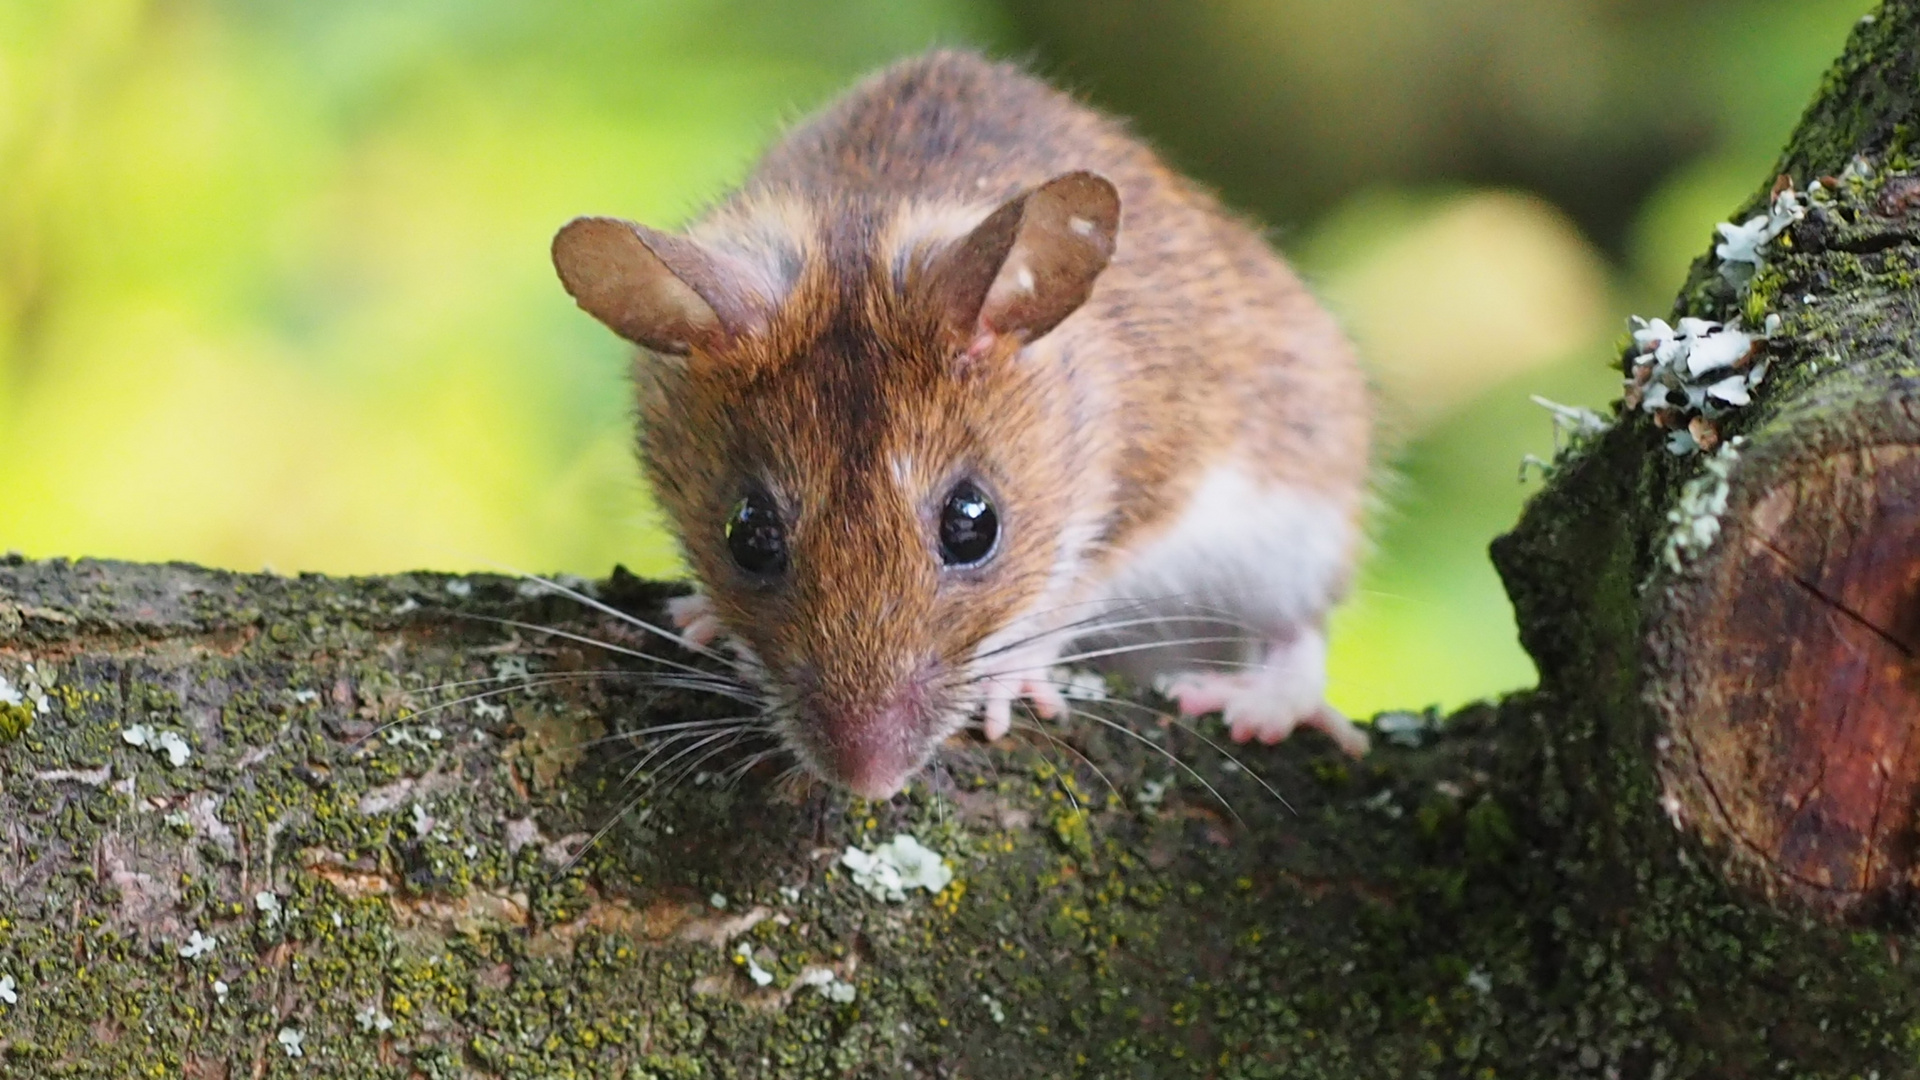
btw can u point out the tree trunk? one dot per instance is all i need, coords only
(260, 826)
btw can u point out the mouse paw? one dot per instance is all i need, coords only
(1253, 712)
(1268, 701)
(694, 617)
(1043, 696)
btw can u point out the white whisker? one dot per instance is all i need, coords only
(643, 624)
(1221, 750)
(739, 692)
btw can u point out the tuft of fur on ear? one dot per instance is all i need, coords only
(1030, 264)
(655, 289)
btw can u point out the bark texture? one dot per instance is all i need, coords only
(259, 826)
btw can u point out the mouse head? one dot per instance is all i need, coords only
(867, 467)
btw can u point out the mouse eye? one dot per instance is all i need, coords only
(755, 537)
(968, 526)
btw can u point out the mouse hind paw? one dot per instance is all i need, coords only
(1267, 701)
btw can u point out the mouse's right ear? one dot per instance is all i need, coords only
(665, 292)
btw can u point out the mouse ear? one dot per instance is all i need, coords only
(665, 292)
(1030, 264)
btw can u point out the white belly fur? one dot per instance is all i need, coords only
(1271, 558)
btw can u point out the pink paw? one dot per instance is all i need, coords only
(1043, 697)
(1254, 707)
(694, 617)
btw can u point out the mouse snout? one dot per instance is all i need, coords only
(873, 755)
(870, 748)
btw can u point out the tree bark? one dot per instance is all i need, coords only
(260, 826)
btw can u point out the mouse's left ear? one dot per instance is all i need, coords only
(1030, 264)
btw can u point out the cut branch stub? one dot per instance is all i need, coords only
(1783, 660)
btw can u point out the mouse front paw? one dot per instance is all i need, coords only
(1043, 696)
(694, 617)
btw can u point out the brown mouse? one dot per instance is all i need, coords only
(964, 377)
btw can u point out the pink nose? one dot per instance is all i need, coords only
(875, 754)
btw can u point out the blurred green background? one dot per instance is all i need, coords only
(274, 287)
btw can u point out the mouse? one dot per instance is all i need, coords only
(964, 382)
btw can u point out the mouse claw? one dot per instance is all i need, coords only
(996, 714)
(1043, 696)
(694, 617)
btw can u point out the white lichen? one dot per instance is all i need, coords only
(1573, 426)
(290, 1040)
(828, 983)
(198, 945)
(760, 976)
(994, 1009)
(511, 669)
(220, 989)
(170, 745)
(306, 697)
(718, 900)
(423, 822)
(1152, 793)
(1402, 727)
(1689, 376)
(31, 690)
(459, 588)
(413, 735)
(1695, 516)
(1741, 247)
(268, 905)
(9, 990)
(900, 864)
(372, 1019)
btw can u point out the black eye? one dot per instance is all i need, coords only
(968, 526)
(755, 537)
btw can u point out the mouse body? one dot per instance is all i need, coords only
(963, 380)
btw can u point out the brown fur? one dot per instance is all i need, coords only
(1197, 342)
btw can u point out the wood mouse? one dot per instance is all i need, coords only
(963, 380)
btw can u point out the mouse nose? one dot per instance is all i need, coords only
(873, 752)
(874, 758)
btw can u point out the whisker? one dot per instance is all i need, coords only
(1034, 726)
(1217, 748)
(1092, 627)
(615, 818)
(1116, 650)
(1110, 607)
(692, 767)
(413, 715)
(634, 620)
(739, 771)
(700, 736)
(1163, 752)
(597, 643)
(700, 739)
